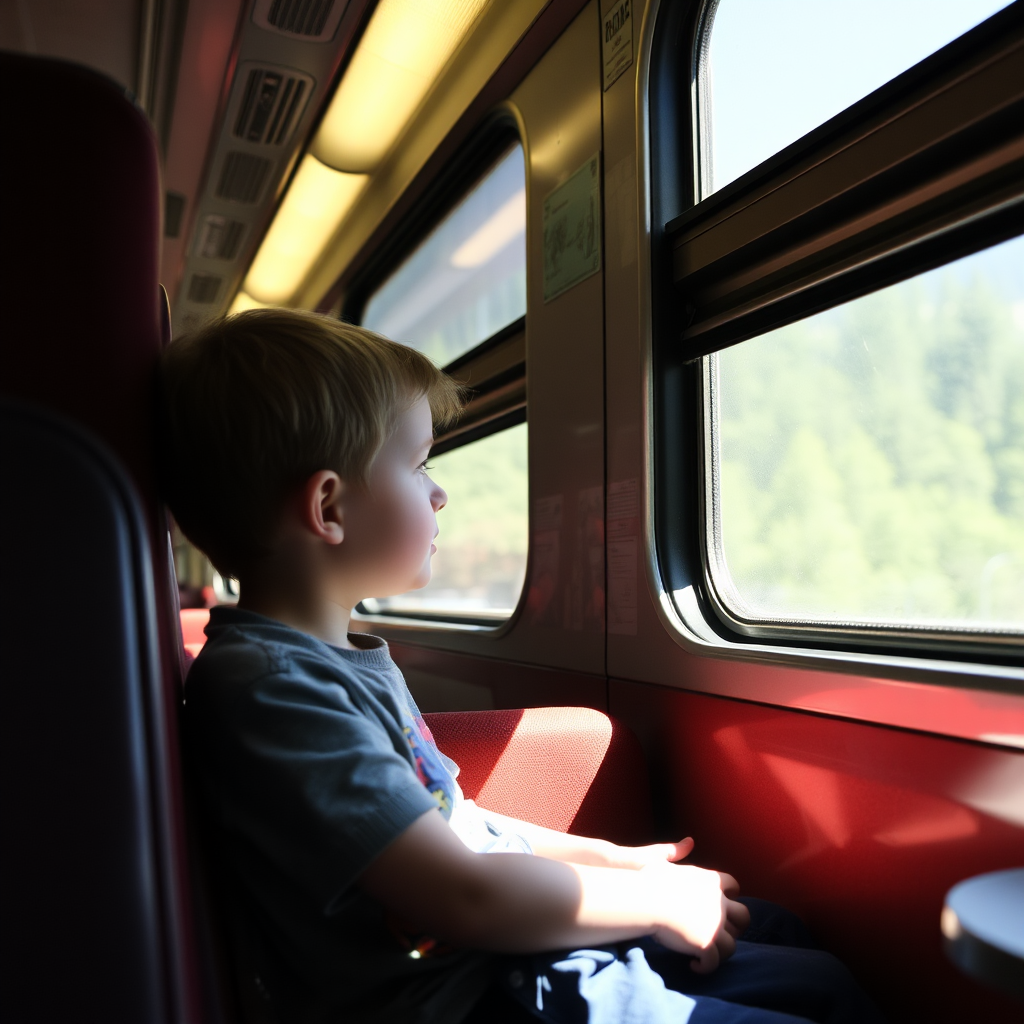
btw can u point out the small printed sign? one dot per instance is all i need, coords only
(616, 38)
(572, 230)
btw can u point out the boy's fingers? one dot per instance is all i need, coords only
(681, 849)
(706, 960)
(726, 946)
(737, 918)
(730, 887)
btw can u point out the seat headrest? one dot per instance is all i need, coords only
(80, 223)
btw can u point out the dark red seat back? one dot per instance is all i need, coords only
(83, 315)
(80, 222)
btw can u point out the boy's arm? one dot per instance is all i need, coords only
(546, 842)
(520, 904)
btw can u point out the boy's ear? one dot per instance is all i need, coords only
(321, 506)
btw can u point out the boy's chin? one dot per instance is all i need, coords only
(422, 580)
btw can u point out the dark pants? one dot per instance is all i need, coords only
(778, 975)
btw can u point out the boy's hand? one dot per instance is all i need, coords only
(638, 857)
(701, 919)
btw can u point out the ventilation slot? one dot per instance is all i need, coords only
(300, 17)
(270, 106)
(220, 238)
(174, 213)
(203, 288)
(310, 19)
(243, 177)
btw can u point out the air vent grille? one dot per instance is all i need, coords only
(243, 177)
(174, 213)
(203, 288)
(301, 17)
(270, 106)
(220, 239)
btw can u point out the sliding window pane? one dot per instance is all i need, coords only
(779, 68)
(467, 279)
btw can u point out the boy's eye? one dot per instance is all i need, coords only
(426, 466)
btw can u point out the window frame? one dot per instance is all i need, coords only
(758, 255)
(494, 370)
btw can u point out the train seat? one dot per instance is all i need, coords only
(193, 622)
(86, 886)
(90, 742)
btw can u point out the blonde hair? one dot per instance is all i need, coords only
(254, 404)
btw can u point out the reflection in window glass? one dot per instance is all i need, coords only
(871, 458)
(777, 70)
(480, 563)
(467, 279)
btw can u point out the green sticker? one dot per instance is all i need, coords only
(572, 230)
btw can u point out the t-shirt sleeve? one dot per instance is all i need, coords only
(299, 775)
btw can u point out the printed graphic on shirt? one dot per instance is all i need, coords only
(429, 768)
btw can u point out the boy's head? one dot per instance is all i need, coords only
(253, 405)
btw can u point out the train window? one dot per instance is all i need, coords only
(868, 461)
(774, 71)
(467, 279)
(851, 321)
(460, 297)
(480, 564)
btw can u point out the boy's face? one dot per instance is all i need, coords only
(390, 524)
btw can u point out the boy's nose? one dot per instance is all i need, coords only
(438, 498)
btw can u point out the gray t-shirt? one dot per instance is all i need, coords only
(310, 760)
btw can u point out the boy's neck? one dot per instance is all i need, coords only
(318, 616)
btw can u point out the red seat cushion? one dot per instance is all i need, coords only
(193, 622)
(570, 769)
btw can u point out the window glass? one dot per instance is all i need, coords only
(870, 459)
(480, 563)
(777, 70)
(467, 279)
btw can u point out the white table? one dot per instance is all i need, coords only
(983, 929)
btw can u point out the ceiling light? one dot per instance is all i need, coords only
(244, 301)
(506, 223)
(311, 211)
(405, 45)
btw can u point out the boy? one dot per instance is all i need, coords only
(295, 454)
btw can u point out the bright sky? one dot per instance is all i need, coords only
(781, 67)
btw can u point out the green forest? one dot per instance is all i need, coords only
(872, 457)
